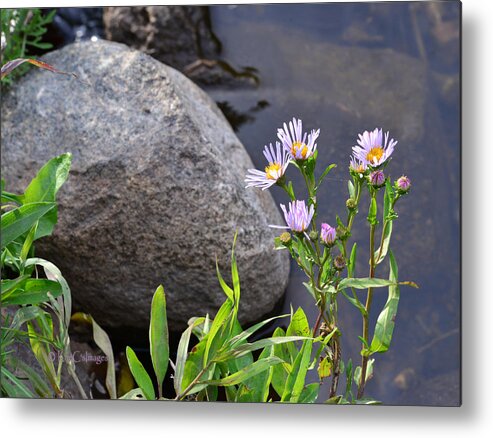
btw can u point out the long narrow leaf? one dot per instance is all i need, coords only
(182, 353)
(8, 67)
(158, 336)
(16, 222)
(385, 322)
(364, 283)
(34, 291)
(103, 341)
(246, 373)
(236, 340)
(140, 375)
(243, 349)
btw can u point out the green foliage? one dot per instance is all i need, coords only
(33, 291)
(158, 337)
(140, 375)
(22, 31)
(224, 357)
(386, 320)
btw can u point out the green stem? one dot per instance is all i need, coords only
(366, 316)
(284, 186)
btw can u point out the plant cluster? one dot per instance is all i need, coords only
(321, 251)
(35, 298)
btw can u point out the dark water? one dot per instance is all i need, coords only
(346, 68)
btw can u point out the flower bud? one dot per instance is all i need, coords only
(339, 262)
(403, 183)
(328, 234)
(351, 204)
(377, 178)
(342, 232)
(313, 235)
(285, 238)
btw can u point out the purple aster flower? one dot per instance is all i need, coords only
(357, 166)
(403, 183)
(377, 178)
(298, 216)
(278, 162)
(373, 149)
(299, 144)
(328, 234)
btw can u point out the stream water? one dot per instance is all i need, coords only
(346, 68)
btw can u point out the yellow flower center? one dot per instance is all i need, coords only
(273, 171)
(299, 148)
(375, 154)
(360, 169)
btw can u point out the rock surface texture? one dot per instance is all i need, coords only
(156, 189)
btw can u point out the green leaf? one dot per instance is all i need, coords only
(296, 378)
(38, 384)
(243, 349)
(352, 260)
(14, 386)
(351, 190)
(324, 368)
(10, 285)
(244, 335)
(158, 337)
(369, 372)
(103, 341)
(41, 353)
(349, 378)
(388, 199)
(193, 365)
(34, 291)
(385, 322)
(235, 276)
(53, 273)
(16, 222)
(246, 373)
(26, 246)
(336, 400)
(140, 375)
(299, 324)
(367, 401)
(309, 393)
(44, 187)
(382, 250)
(133, 394)
(324, 174)
(11, 197)
(364, 283)
(256, 388)
(310, 289)
(215, 338)
(226, 289)
(372, 212)
(280, 372)
(182, 353)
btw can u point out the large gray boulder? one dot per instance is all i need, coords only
(156, 189)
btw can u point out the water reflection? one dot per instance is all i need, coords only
(350, 67)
